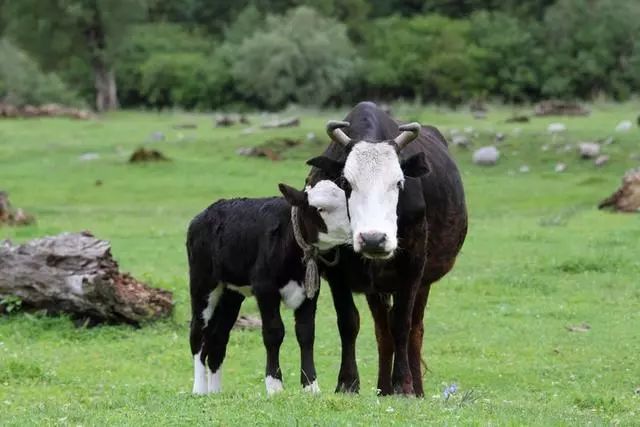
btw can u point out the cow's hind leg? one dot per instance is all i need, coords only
(272, 336)
(305, 333)
(380, 306)
(217, 331)
(415, 339)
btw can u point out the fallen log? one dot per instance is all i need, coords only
(627, 197)
(75, 273)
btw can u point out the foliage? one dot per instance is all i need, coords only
(592, 48)
(430, 57)
(299, 57)
(23, 82)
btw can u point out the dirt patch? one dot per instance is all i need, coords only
(272, 149)
(556, 107)
(142, 155)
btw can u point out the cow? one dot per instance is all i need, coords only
(408, 216)
(242, 247)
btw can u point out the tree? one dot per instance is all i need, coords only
(301, 57)
(58, 32)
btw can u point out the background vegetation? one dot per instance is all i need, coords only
(197, 54)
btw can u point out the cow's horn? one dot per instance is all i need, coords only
(335, 132)
(408, 133)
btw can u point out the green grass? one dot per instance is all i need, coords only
(539, 257)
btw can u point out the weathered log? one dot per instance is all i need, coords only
(627, 197)
(75, 273)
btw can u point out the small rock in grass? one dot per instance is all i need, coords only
(311, 137)
(524, 169)
(500, 137)
(601, 160)
(583, 327)
(556, 128)
(461, 140)
(560, 167)
(624, 126)
(589, 150)
(86, 157)
(486, 156)
(156, 136)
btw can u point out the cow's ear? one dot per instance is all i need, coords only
(329, 166)
(294, 197)
(415, 166)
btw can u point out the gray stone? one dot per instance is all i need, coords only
(486, 156)
(589, 150)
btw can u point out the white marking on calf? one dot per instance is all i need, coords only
(293, 294)
(374, 172)
(330, 201)
(245, 291)
(215, 381)
(273, 385)
(199, 375)
(214, 297)
(313, 388)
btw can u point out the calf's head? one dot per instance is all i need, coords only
(323, 213)
(373, 176)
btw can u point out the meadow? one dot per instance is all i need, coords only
(539, 259)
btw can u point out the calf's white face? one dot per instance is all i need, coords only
(374, 174)
(330, 202)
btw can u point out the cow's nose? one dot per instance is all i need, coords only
(373, 241)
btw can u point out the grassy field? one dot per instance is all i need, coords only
(538, 259)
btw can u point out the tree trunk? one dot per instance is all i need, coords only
(76, 274)
(106, 90)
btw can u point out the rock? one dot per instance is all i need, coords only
(486, 156)
(479, 114)
(518, 119)
(156, 136)
(601, 160)
(500, 137)
(589, 150)
(224, 121)
(284, 123)
(86, 157)
(311, 137)
(560, 167)
(10, 216)
(468, 129)
(524, 169)
(461, 140)
(556, 128)
(624, 126)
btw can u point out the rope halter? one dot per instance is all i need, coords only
(310, 257)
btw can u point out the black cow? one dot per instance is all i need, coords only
(409, 221)
(242, 247)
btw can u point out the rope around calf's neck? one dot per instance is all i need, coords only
(310, 257)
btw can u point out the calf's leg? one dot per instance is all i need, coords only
(272, 336)
(217, 335)
(305, 333)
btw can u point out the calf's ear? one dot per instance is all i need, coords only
(415, 166)
(293, 196)
(329, 166)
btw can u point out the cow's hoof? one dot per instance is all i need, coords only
(403, 389)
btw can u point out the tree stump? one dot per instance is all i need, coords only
(627, 197)
(74, 273)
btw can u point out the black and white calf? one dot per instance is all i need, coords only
(243, 247)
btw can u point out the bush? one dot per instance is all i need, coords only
(23, 82)
(299, 57)
(507, 60)
(591, 47)
(429, 57)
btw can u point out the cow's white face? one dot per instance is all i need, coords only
(375, 177)
(330, 202)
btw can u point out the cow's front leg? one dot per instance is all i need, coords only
(348, 326)
(380, 306)
(401, 378)
(272, 335)
(415, 338)
(305, 333)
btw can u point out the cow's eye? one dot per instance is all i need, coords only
(320, 210)
(400, 184)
